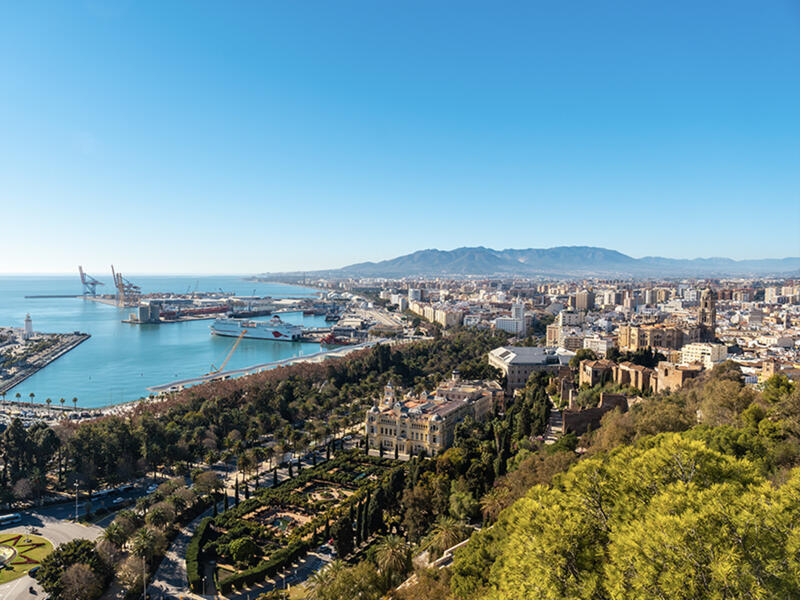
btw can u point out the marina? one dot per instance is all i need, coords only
(120, 361)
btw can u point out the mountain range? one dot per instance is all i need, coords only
(561, 261)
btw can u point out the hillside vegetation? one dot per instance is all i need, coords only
(709, 510)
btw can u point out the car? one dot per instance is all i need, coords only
(117, 500)
(348, 437)
(152, 488)
(33, 571)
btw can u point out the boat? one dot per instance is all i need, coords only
(275, 329)
(331, 316)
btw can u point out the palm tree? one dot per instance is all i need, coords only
(18, 396)
(144, 546)
(115, 534)
(49, 401)
(493, 502)
(75, 403)
(392, 555)
(144, 543)
(319, 582)
(31, 396)
(62, 402)
(447, 532)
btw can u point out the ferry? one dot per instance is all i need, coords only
(275, 329)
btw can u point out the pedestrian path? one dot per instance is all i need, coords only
(170, 580)
(555, 425)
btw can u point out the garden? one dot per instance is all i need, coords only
(253, 541)
(19, 553)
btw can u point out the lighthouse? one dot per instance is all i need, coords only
(28, 333)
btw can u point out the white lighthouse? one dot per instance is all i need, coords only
(28, 333)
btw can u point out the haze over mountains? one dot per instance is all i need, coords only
(561, 261)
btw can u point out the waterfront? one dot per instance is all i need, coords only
(120, 360)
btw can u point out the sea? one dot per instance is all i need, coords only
(121, 360)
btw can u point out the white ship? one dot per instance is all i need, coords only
(274, 329)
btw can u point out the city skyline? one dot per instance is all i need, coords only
(178, 139)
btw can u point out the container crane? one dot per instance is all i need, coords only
(214, 370)
(89, 283)
(128, 294)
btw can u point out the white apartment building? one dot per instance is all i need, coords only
(510, 325)
(600, 346)
(706, 354)
(569, 318)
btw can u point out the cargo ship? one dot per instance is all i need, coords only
(275, 329)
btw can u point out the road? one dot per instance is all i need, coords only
(55, 524)
(55, 529)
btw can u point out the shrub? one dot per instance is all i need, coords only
(193, 555)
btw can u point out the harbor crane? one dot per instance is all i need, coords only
(128, 294)
(89, 283)
(214, 370)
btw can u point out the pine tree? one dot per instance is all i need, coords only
(236, 493)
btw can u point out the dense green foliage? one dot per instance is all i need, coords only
(666, 518)
(201, 423)
(193, 555)
(50, 574)
(710, 512)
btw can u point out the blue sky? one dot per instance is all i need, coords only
(171, 137)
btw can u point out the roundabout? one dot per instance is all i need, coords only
(21, 552)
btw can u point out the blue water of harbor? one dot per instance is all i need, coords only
(121, 360)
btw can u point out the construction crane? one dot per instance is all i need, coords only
(128, 294)
(89, 283)
(214, 370)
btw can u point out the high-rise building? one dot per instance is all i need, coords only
(584, 300)
(707, 316)
(28, 332)
(518, 311)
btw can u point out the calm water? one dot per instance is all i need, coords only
(120, 360)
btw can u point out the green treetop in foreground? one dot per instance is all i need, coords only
(665, 518)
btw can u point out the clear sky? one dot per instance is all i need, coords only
(245, 137)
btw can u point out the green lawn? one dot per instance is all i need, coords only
(28, 552)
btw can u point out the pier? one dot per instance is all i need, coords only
(55, 296)
(175, 386)
(67, 343)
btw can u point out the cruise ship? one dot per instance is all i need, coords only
(274, 329)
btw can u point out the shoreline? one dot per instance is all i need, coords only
(77, 340)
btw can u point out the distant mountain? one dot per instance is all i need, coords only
(561, 261)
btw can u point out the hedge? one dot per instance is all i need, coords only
(193, 555)
(265, 569)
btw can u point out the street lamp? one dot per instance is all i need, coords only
(77, 485)
(204, 585)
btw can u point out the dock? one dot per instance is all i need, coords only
(72, 341)
(55, 296)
